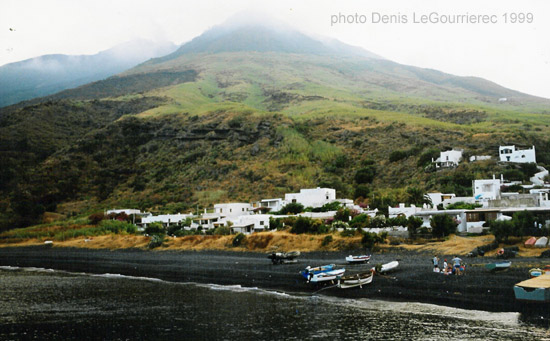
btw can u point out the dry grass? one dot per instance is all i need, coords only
(274, 241)
(453, 245)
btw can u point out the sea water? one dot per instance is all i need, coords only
(46, 304)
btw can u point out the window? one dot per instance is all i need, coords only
(261, 222)
(293, 201)
(243, 209)
(230, 210)
(326, 197)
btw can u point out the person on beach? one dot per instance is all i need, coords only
(445, 265)
(436, 264)
(456, 261)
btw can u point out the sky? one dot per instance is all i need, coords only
(511, 49)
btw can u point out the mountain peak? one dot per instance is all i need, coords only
(248, 31)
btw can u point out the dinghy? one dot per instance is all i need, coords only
(498, 265)
(284, 257)
(307, 272)
(326, 276)
(357, 280)
(387, 267)
(358, 259)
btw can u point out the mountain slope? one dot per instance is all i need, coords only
(48, 74)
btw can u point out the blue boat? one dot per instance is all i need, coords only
(309, 271)
(535, 290)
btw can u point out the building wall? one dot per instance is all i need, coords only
(486, 189)
(232, 209)
(511, 154)
(314, 197)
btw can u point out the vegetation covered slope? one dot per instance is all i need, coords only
(201, 128)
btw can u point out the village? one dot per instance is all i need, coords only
(489, 202)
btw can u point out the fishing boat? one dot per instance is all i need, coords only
(357, 280)
(358, 259)
(536, 290)
(505, 264)
(535, 272)
(326, 276)
(388, 267)
(284, 257)
(309, 271)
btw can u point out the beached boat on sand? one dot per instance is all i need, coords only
(357, 280)
(534, 290)
(284, 257)
(358, 259)
(498, 265)
(326, 276)
(309, 271)
(388, 267)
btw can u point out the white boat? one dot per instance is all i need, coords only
(326, 276)
(388, 266)
(357, 280)
(541, 242)
(358, 259)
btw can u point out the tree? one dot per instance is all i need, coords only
(365, 174)
(343, 214)
(361, 191)
(443, 225)
(413, 224)
(501, 229)
(415, 196)
(155, 228)
(292, 208)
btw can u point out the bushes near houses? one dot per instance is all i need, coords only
(308, 225)
(238, 239)
(155, 229)
(116, 226)
(156, 241)
(370, 239)
(522, 224)
(443, 225)
(327, 240)
(292, 208)
(95, 218)
(221, 231)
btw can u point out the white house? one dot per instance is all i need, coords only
(313, 197)
(232, 209)
(486, 189)
(250, 223)
(128, 211)
(439, 198)
(207, 221)
(273, 204)
(448, 159)
(403, 210)
(511, 154)
(165, 219)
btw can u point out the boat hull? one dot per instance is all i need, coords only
(326, 276)
(357, 259)
(354, 281)
(534, 295)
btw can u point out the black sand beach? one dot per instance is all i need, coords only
(414, 280)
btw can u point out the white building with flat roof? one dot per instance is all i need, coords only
(274, 205)
(486, 189)
(511, 154)
(165, 219)
(233, 209)
(394, 212)
(448, 159)
(312, 197)
(250, 223)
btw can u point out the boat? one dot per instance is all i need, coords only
(309, 271)
(536, 290)
(388, 267)
(541, 242)
(357, 280)
(358, 259)
(505, 264)
(535, 272)
(284, 257)
(530, 242)
(326, 276)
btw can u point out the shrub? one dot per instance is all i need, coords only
(360, 221)
(442, 225)
(292, 208)
(116, 226)
(156, 241)
(333, 206)
(343, 214)
(361, 191)
(348, 233)
(155, 229)
(413, 224)
(365, 175)
(96, 218)
(327, 240)
(222, 231)
(397, 155)
(302, 225)
(239, 239)
(463, 205)
(370, 239)
(275, 223)
(501, 229)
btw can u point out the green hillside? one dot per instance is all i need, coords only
(200, 127)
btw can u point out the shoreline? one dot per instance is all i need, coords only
(413, 280)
